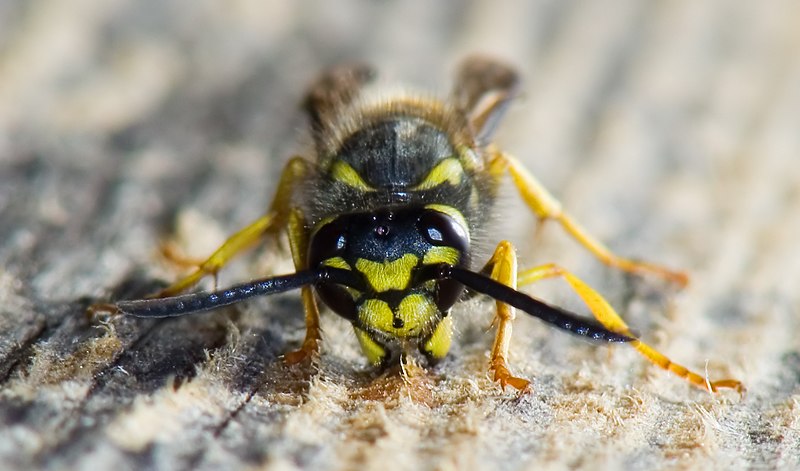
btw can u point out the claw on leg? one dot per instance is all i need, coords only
(307, 352)
(505, 378)
(272, 223)
(171, 251)
(298, 242)
(503, 268)
(608, 317)
(234, 245)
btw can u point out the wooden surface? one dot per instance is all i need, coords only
(670, 129)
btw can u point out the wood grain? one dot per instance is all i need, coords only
(667, 128)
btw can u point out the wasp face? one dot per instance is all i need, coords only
(389, 249)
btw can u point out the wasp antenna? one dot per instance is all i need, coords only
(198, 302)
(551, 314)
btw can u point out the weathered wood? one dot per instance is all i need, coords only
(669, 129)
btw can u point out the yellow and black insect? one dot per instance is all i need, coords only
(381, 226)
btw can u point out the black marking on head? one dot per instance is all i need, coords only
(385, 236)
(395, 153)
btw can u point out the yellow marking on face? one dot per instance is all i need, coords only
(453, 213)
(441, 254)
(417, 311)
(439, 343)
(372, 350)
(336, 262)
(448, 170)
(383, 276)
(341, 171)
(339, 262)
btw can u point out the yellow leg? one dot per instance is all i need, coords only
(503, 268)
(272, 222)
(545, 206)
(235, 244)
(172, 252)
(604, 313)
(298, 241)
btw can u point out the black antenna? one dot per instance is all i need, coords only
(197, 302)
(553, 315)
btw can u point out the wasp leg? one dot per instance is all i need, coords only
(545, 206)
(502, 267)
(271, 223)
(235, 244)
(603, 312)
(172, 252)
(298, 242)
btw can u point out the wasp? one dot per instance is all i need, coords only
(382, 225)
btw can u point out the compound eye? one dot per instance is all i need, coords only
(442, 230)
(329, 241)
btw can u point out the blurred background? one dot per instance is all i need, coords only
(668, 128)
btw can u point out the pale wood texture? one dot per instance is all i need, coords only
(670, 129)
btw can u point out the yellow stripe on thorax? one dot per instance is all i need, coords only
(342, 172)
(448, 170)
(469, 159)
(384, 276)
